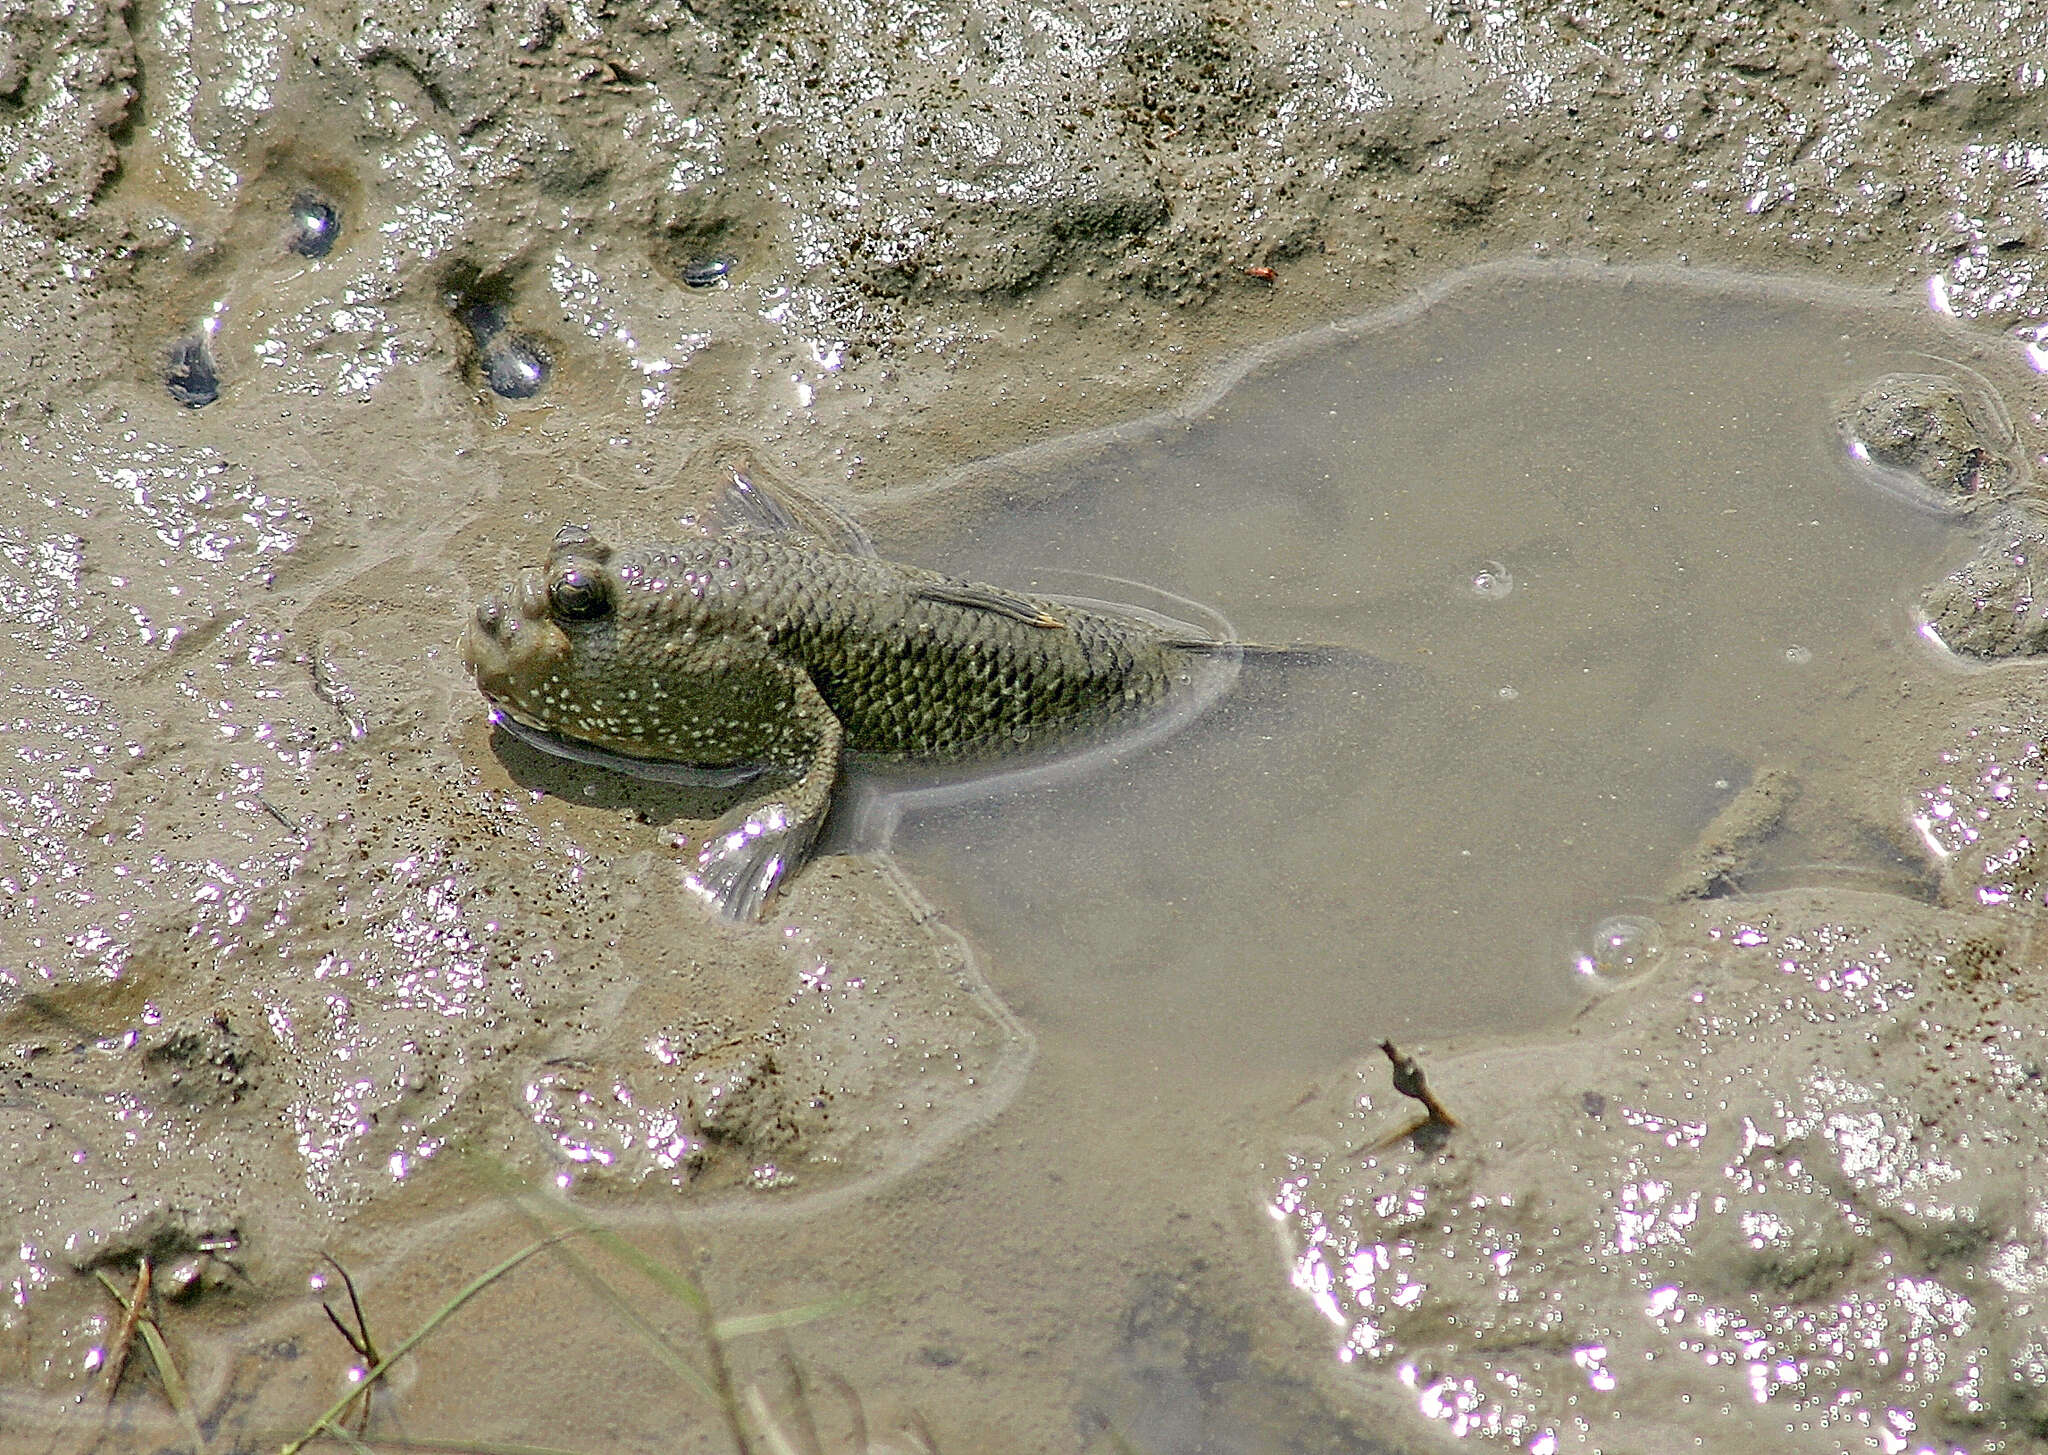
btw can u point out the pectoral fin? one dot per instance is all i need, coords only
(744, 863)
(976, 597)
(747, 858)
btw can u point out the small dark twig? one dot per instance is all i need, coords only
(357, 1338)
(1411, 1083)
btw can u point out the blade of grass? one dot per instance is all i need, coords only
(915, 1427)
(721, 1377)
(800, 1400)
(718, 1387)
(684, 1288)
(442, 1443)
(855, 1411)
(743, 1324)
(467, 1447)
(778, 1443)
(597, 1283)
(174, 1383)
(469, 1291)
(602, 1287)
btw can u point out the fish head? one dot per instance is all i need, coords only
(620, 650)
(539, 646)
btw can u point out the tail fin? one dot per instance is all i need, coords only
(1299, 654)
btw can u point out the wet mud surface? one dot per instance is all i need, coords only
(318, 317)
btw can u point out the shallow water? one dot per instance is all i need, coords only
(1600, 557)
(1590, 555)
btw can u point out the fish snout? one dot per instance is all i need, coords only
(483, 642)
(508, 634)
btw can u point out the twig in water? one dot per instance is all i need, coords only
(137, 1320)
(1411, 1083)
(124, 1333)
(357, 1338)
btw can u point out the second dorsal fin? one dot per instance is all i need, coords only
(988, 598)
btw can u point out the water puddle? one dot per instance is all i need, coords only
(1596, 559)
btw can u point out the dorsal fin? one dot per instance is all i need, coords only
(745, 507)
(752, 504)
(988, 598)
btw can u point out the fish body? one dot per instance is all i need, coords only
(766, 652)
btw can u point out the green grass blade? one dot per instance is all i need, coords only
(742, 1324)
(469, 1291)
(467, 1447)
(662, 1345)
(764, 1421)
(445, 1444)
(598, 1284)
(174, 1383)
(685, 1289)
(672, 1281)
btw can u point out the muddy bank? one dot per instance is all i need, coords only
(1786, 1193)
(874, 238)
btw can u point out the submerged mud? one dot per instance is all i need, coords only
(340, 959)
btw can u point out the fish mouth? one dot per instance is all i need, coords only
(491, 660)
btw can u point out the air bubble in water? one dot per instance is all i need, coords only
(1625, 949)
(514, 366)
(189, 372)
(315, 226)
(1491, 581)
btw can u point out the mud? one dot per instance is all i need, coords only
(317, 315)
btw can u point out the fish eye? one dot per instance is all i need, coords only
(577, 595)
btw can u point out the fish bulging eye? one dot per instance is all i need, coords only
(578, 595)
